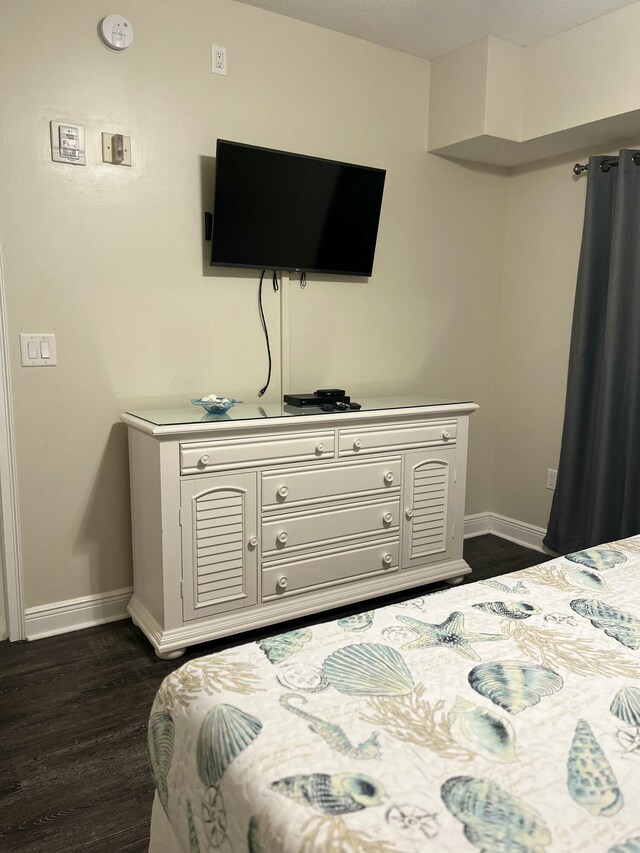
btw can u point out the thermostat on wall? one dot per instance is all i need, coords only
(67, 143)
(116, 32)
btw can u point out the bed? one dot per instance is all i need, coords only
(502, 715)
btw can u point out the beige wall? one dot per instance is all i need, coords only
(586, 74)
(112, 260)
(542, 244)
(496, 102)
(458, 94)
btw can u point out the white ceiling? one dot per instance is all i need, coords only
(429, 28)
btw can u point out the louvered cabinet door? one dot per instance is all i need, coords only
(428, 509)
(219, 544)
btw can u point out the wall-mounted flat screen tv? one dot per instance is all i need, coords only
(282, 211)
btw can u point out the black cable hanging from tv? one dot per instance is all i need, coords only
(276, 287)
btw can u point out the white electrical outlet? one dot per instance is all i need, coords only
(551, 478)
(219, 59)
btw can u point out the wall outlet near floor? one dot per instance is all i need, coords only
(551, 478)
(219, 59)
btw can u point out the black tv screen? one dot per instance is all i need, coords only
(275, 210)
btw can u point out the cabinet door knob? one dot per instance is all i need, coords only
(282, 537)
(283, 491)
(320, 447)
(282, 582)
(446, 434)
(387, 518)
(253, 541)
(387, 559)
(409, 513)
(388, 477)
(204, 460)
(357, 444)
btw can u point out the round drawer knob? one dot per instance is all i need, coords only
(387, 559)
(204, 460)
(388, 477)
(283, 491)
(446, 434)
(282, 582)
(357, 444)
(320, 447)
(253, 541)
(282, 537)
(387, 518)
(409, 513)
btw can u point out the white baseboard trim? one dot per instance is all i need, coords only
(519, 531)
(506, 528)
(76, 613)
(477, 525)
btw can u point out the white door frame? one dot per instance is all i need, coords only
(9, 513)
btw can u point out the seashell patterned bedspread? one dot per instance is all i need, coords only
(499, 716)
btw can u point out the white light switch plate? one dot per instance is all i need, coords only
(34, 349)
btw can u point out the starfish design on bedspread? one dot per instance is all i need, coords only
(449, 634)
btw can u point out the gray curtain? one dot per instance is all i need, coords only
(597, 497)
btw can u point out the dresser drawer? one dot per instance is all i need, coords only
(198, 457)
(355, 442)
(291, 576)
(290, 532)
(325, 482)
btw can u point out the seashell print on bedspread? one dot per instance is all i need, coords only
(509, 609)
(514, 686)
(281, 647)
(600, 558)
(483, 731)
(618, 624)
(501, 716)
(160, 739)
(626, 706)
(631, 845)
(591, 781)
(225, 732)
(368, 669)
(495, 821)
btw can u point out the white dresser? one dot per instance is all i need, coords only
(267, 514)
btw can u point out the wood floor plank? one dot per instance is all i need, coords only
(134, 839)
(73, 818)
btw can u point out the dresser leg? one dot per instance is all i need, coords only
(455, 581)
(172, 655)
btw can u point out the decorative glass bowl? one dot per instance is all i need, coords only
(214, 405)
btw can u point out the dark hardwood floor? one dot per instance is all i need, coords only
(73, 711)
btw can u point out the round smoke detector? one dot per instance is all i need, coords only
(116, 32)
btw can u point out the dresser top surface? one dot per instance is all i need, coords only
(194, 415)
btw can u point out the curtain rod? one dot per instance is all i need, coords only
(579, 168)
